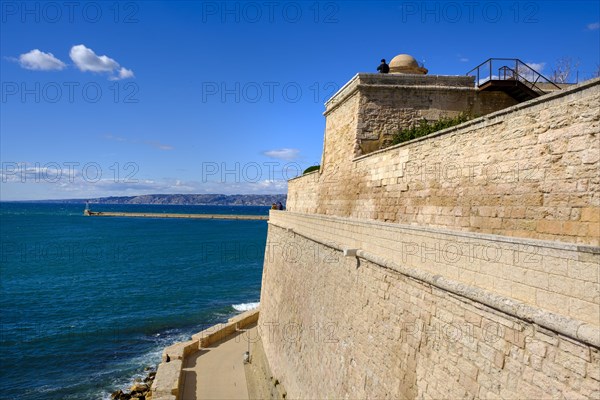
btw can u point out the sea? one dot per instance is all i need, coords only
(87, 304)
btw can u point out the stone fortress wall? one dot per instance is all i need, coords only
(388, 103)
(530, 170)
(335, 326)
(460, 265)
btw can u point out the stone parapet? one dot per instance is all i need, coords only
(221, 331)
(168, 379)
(558, 277)
(397, 80)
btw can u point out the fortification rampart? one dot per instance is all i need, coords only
(558, 277)
(464, 264)
(367, 327)
(530, 170)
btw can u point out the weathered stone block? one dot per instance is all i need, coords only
(168, 378)
(179, 350)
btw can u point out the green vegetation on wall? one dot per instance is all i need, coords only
(425, 127)
(311, 169)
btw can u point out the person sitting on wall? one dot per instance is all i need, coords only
(383, 67)
(279, 206)
(273, 206)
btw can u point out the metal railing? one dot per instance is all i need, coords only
(507, 69)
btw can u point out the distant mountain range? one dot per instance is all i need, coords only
(185, 199)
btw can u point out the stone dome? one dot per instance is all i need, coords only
(405, 64)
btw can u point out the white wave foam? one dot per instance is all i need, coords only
(127, 370)
(245, 306)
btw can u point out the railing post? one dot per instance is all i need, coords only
(519, 72)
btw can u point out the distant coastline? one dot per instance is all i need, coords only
(179, 199)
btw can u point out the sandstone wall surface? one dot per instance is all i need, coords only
(558, 277)
(391, 103)
(348, 327)
(528, 171)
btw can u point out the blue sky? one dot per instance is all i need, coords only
(126, 98)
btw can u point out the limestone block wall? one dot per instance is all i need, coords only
(528, 171)
(356, 327)
(558, 277)
(389, 103)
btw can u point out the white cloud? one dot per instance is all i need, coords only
(152, 143)
(523, 72)
(593, 26)
(39, 61)
(463, 59)
(538, 67)
(115, 138)
(283, 154)
(28, 181)
(159, 146)
(529, 74)
(125, 73)
(87, 60)
(24, 172)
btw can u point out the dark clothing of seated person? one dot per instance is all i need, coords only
(383, 67)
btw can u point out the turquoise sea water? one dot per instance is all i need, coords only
(86, 303)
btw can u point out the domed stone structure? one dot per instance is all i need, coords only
(406, 64)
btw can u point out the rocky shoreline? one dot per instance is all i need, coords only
(140, 390)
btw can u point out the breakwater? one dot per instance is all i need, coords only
(165, 215)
